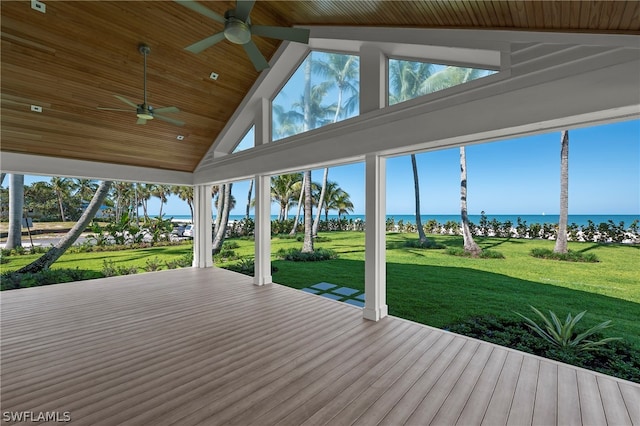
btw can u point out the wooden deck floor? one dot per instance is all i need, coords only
(196, 346)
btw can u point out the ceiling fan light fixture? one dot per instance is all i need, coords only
(144, 113)
(236, 31)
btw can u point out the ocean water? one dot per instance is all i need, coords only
(579, 219)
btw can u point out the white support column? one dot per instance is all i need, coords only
(262, 185)
(375, 274)
(202, 244)
(373, 79)
(262, 272)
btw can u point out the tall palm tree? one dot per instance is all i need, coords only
(407, 82)
(561, 239)
(249, 199)
(185, 193)
(225, 204)
(16, 205)
(61, 187)
(342, 71)
(53, 254)
(469, 244)
(144, 195)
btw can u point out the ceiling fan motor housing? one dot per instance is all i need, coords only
(236, 30)
(145, 112)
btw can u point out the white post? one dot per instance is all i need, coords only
(202, 244)
(373, 79)
(262, 272)
(262, 185)
(375, 267)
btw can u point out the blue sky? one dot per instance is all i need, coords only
(519, 176)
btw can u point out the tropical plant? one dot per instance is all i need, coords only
(335, 198)
(185, 193)
(285, 190)
(162, 192)
(561, 237)
(225, 204)
(564, 335)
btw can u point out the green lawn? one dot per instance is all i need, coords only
(434, 288)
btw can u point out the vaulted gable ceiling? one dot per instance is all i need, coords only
(75, 57)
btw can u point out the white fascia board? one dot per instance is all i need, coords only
(27, 164)
(596, 90)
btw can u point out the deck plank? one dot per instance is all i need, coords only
(206, 346)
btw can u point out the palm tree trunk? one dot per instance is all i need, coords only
(61, 207)
(297, 219)
(47, 259)
(307, 245)
(469, 245)
(16, 205)
(561, 238)
(249, 198)
(221, 230)
(316, 223)
(2, 175)
(416, 187)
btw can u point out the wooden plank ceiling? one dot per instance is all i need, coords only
(79, 54)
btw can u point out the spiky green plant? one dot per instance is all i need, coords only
(563, 335)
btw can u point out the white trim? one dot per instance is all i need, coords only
(11, 162)
(262, 271)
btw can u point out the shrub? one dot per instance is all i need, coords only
(152, 265)
(230, 245)
(109, 269)
(426, 244)
(317, 239)
(484, 254)
(14, 280)
(563, 335)
(225, 254)
(617, 359)
(570, 256)
(295, 255)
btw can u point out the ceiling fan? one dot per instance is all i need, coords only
(144, 111)
(238, 29)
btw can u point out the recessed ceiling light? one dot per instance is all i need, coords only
(36, 108)
(180, 137)
(213, 76)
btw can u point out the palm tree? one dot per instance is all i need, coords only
(422, 238)
(407, 82)
(342, 71)
(162, 192)
(144, 195)
(185, 193)
(336, 199)
(16, 205)
(469, 245)
(225, 204)
(85, 188)
(249, 199)
(47, 259)
(61, 187)
(561, 239)
(307, 245)
(283, 191)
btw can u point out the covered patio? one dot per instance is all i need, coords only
(206, 346)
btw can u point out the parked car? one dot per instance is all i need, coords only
(188, 231)
(178, 230)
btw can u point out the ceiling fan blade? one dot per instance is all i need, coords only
(243, 9)
(206, 43)
(141, 121)
(126, 101)
(256, 57)
(115, 109)
(166, 110)
(197, 7)
(169, 120)
(301, 35)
